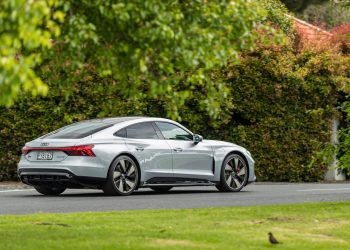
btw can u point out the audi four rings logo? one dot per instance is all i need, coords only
(44, 144)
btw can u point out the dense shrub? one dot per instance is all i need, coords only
(283, 105)
(280, 108)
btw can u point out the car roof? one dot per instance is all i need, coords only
(122, 119)
(115, 120)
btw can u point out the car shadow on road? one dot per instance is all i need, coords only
(139, 193)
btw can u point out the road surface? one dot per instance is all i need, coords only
(24, 201)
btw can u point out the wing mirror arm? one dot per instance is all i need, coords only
(197, 138)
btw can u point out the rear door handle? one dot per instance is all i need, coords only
(178, 149)
(139, 148)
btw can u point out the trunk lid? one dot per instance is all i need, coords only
(48, 150)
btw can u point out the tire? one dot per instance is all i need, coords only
(234, 174)
(123, 177)
(53, 191)
(162, 189)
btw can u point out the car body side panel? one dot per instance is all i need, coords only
(193, 161)
(153, 155)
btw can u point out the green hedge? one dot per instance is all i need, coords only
(281, 107)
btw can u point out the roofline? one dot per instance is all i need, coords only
(144, 119)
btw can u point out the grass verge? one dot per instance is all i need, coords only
(302, 226)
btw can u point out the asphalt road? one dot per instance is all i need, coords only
(23, 201)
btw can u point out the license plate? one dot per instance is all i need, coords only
(45, 156)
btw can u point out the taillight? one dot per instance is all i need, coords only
(25, 150)
(83, 150)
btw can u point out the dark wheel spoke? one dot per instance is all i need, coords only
(122, 166)
(231, 164)
(233, 184)
(128, 165)
(117, 179)
(130, 178)
(239, 178)
(236, 162)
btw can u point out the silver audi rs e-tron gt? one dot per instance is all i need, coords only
(120, 155)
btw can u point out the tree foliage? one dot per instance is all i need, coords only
(26, 28)
(298, 6)
(166, 48)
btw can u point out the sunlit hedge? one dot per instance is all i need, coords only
(280, 108)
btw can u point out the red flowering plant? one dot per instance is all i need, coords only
(342, 37)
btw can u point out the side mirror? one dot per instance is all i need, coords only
(197, 138)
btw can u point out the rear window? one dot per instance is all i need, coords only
(78, 130)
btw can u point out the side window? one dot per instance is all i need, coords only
(142, 130)
(173, 132)
(121, 133)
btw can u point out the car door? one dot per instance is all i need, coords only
(190, 160)
(152, 152)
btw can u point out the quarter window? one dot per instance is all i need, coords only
(172, 132)
(121, 133)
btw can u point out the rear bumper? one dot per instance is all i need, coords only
(58, 177)
(78, 166)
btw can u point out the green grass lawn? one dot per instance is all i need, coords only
(304, 226)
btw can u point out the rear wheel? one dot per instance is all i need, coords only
(50, 190)
(123, 177)
(234, 174)
(163, 189)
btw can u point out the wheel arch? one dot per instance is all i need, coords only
(133, 158)
(243, 157)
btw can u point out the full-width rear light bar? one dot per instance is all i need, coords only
(83, 150)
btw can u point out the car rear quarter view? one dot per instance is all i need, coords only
(120, 155)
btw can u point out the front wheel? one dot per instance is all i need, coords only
(53, 191)
(123, 177)
(234, 174)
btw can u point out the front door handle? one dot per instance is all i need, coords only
(178, 149)
(139, 148)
